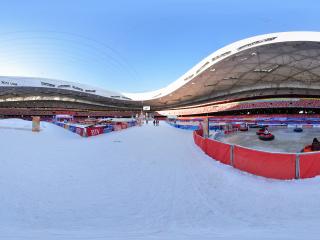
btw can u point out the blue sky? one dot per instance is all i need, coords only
(134, 45)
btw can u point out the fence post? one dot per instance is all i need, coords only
(231, 154)
(297, 166)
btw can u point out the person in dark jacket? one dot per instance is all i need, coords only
(315, 146)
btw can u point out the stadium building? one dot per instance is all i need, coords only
(276, 73)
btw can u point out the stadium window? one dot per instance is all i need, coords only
(77, 88)
(232, 77)
(9, 83)
(202, 67)
(187, 78)
(63, 86)
(221, 55)
(90, 91)
(47, 84)
(267, 70)
(256, 42)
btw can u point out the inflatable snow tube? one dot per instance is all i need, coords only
(243, 128)
(307, 148)
(298, 130)
(260, 131)
(266, 137)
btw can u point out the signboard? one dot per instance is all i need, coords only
(146, 108)
(93, 131)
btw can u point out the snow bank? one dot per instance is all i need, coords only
(15, 123)
(142, 183)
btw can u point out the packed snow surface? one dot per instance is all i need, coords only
(141, 183)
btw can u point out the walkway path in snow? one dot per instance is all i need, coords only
(141, 183)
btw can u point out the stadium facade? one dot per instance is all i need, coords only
(277, 72)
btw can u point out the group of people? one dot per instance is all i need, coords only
(155, 122)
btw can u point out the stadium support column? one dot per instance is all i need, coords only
(35, 124)
(206, 128)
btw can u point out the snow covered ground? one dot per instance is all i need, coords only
(141, 183)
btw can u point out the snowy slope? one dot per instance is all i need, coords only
(140, 183)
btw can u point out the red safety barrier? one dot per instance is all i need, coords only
(200, 141)
(93, 131)
(199, 132)
(219, 151)
(309, 165)
(117, 127)
(270, 165)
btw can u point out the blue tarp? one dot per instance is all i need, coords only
(186, 127)
(72, 128)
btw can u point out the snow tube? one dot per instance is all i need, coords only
(266, 137)
(243, 128)
(260, 131)
(298, 130)
(307, 148)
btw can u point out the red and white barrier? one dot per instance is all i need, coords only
(281, 166)
(94, 131)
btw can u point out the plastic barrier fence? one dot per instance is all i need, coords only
(200, 141)
(117, 127)
(186, 127)
(108, 129)
(219, 151)
(309, 165)
(193, 127)
(72, 128)
(270, 165)
(266, 164)
(80, 131)
(93, 131)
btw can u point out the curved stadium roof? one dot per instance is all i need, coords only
(286, 63)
